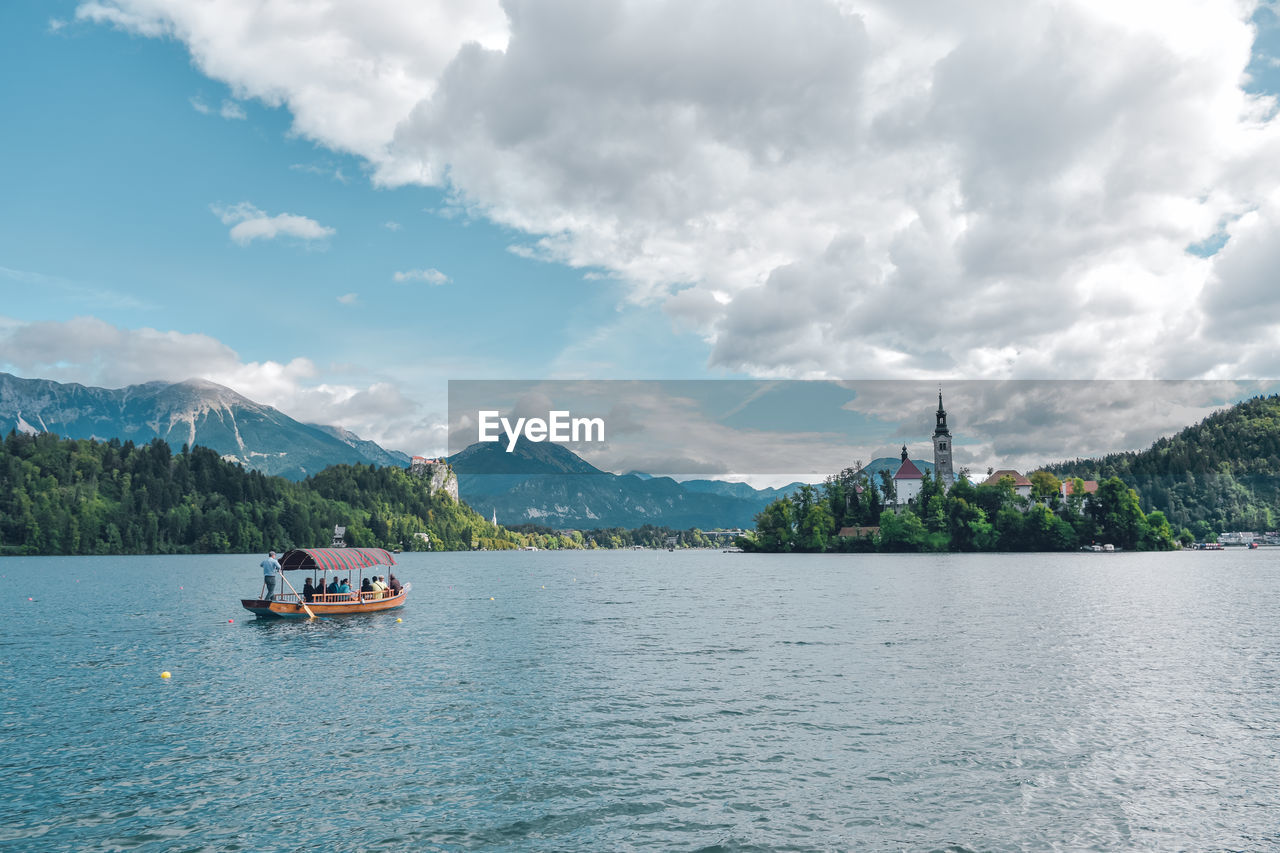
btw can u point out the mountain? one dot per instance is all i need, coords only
(891, 464)
(739, 490)
(1221, 474)
(370, 451)
(194, 412)
(544, 483)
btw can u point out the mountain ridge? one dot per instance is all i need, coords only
(193, 411)
(546, 484)
(540, 482)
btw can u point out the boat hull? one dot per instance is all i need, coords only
(293, 610)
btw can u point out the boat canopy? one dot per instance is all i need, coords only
(334, 559)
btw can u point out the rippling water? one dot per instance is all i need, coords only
(650, 700)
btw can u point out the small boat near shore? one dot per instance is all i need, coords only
(290, 604)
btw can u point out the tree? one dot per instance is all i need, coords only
(775, 530)
(1045, 487)
(815, 528)
(930, 500)
(1158, 534)
(1114, 508)
(1203, 532)
(887, 488)
(902, 531)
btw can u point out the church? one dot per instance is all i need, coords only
(907, 479)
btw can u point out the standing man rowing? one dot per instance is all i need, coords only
(270, 568)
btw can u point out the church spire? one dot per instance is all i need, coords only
(942, 469)
(941, 414)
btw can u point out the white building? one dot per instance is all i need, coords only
(907, 480)
(1021, 485)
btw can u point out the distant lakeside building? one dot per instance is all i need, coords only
(908, 477)
(1021, 485)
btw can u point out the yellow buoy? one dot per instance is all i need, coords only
(491, 598)
(398, 619)
(164, 674)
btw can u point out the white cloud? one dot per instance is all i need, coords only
(349, 298)
(93, 352)
(392, 225)
(122, 16)
(348, 71)
(326, 170)
(249, 224)
(819, 188)
(430, 276)
(229, 109)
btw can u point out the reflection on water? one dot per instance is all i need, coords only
(649, 700)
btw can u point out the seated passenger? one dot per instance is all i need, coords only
(308, 591)
(344, 588)
(379, 587)
(365, 586)
(332, 588)
(395, 585)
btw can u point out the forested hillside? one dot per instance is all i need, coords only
(65, 496)
(1221, 474)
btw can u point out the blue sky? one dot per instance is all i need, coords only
(109, 185)
(798, 190)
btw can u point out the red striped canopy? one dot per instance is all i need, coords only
(335, 559)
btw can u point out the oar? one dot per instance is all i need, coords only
(300, 598)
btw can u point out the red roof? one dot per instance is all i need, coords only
(1090, 486)
(908, 471)
(1018, 479)
(334, 559)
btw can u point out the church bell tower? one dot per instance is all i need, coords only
(942, 448)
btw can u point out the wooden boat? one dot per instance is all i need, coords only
(321, 561)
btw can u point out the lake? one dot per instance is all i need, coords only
(693, 701)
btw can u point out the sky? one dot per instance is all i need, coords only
(335, 208)
(771, 432)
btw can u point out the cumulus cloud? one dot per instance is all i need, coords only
(430, 276)
(93, 352)
(325, 170)
(248, 223)
(348, 71)
(90, 350)
(392, 225)
(854, 187)
(349, 299)
(229, 109)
